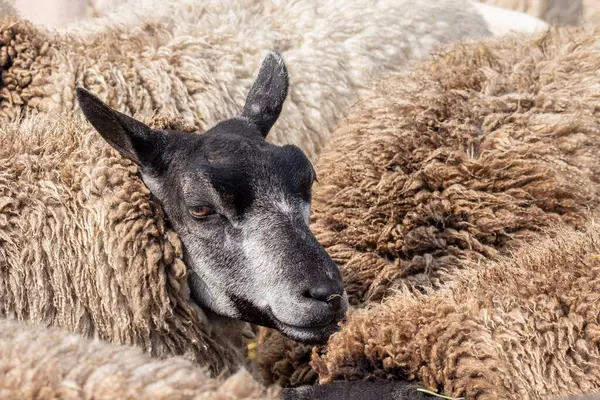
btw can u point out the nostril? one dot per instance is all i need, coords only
(327, 294)
(321, 292)
(335, 300)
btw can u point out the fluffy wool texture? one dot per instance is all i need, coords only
(60, 13)
(84, 246)
(460, 160)
(41, 363)
(522, 327)
(198, 59)
(561, 12)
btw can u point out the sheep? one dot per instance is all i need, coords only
(520, 327)
(68, 366)
(42, 363)
(60, 13)
(85, 243)
(195, 59)
(83, 246)
(460, 160)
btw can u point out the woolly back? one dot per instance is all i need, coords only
(462, 158)
(458, 160)
(525, 326)
(49, 363)
(84, 246)
(199, 59)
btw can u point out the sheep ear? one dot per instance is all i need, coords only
(130, 137)
(267, 95)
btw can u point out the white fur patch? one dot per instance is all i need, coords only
(306, 212)
(501, 21)
(285, 207)
(152, 184)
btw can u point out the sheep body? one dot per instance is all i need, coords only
(84, 246)
(521, 327)
(68, 366)
(460, 160)
(198, 59)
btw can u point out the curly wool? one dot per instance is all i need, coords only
(522, 327)
(281, 361)
(198, 59)
(84, 246)
(461, 159)
(42, 363)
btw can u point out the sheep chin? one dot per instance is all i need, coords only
(313, 335)
(224, 326)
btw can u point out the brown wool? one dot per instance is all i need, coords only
(455, 162)
(522, 327)
(84, 246)
(198, 59)
(462, 158)
(70, 367)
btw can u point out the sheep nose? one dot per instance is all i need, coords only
(327, 294)
(321, 292)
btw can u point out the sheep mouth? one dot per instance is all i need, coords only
(317, 334)
(313, 334)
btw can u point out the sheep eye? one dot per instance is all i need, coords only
(201, 211)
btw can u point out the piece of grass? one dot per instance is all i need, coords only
(441, 396)
(252, 344)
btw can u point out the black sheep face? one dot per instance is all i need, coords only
(241, 207)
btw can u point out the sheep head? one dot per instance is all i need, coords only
(241, 206)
